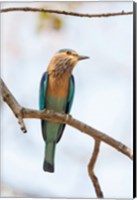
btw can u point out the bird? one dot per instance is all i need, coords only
(57, 87)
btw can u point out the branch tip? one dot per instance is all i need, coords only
(22, 124)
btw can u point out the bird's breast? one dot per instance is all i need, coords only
(58, 87)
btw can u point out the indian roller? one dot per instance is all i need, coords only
(57, 88)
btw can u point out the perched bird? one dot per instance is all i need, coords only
(56, 93)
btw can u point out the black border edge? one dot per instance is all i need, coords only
(134, 98)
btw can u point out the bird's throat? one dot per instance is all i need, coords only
(61, 68)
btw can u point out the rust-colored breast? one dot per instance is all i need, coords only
(57, 87)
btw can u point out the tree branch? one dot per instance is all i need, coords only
(29, 9)
(13, 104)
(91, 165)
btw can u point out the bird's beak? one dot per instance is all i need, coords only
(82, 57)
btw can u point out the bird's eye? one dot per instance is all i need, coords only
(68, 52)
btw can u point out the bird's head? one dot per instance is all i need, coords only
(69, 54)
(64, 61)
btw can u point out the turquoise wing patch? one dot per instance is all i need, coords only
(42, 100)
(70, 94)
(42, 91)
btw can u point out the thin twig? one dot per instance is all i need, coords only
(91, 165)
(94, 156)
(62, 118)
(29, 9)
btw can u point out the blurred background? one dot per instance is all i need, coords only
(103, 99)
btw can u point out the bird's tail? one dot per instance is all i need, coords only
(49, 157)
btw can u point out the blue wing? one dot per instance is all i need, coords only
(70, 94)
(42, 98)
(42, 91)
(69, 103)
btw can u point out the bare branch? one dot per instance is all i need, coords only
(91, 165)
(29, 9)
(13, 104)
(21, 112)
(68, 119)
(94, 156)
